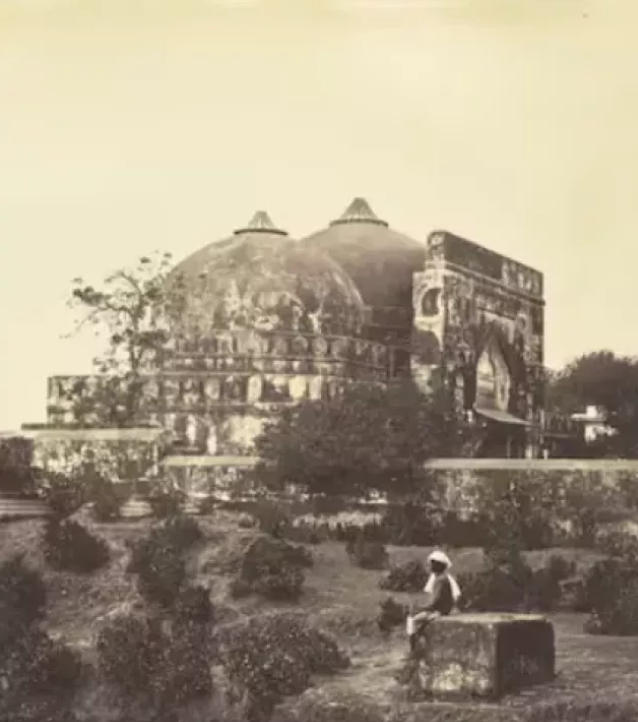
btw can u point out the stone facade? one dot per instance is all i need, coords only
(479, 324)
(215, 396)
(122, 455)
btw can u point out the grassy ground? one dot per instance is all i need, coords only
(339, 596)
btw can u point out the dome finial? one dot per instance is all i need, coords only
(359, 211)
(261, 223)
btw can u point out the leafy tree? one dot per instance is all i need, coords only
(132, 308)
(605, 380)
(366, 439)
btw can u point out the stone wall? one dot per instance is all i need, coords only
(120, 454)
(609, 486)
(216, 394)
(470, 302)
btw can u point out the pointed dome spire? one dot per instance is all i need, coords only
(359, 211)
(261, 223)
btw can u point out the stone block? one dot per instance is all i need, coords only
(486, 655)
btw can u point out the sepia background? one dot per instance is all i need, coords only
(129, 125)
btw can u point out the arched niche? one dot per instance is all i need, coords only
(494, 381)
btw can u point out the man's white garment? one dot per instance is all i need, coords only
(442, 558)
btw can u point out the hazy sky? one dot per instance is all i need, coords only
(129, 125)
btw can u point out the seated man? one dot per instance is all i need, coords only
(444, 594)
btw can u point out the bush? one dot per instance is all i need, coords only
(63, 494)
(391, 615)
(207, 506)
(367, 554)
(193, 607)
(161, 573)
(410, 524)
(269, 659)
(139, 659)
(546, 584)
(273, 568)
(68, 546)
(461, 533)
(606, 583)
(22, 598)
(130, 651)
(107, 499)
(166, 503)
(32, 667)
(158, 559)
(411, 576)
(181, 532)
(185, 673)
(619, 545)
(517, 512)
(272, 519)
(502, 587)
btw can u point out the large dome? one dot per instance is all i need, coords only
(378, 259)
(260, 278)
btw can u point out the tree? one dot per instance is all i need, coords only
(366, 439)
(131, 309)
(605, 380)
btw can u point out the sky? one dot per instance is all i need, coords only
(128, 126)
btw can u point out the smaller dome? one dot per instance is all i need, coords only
(260, 278)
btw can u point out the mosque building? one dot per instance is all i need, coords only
(267, 321)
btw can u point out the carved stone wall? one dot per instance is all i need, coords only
(471, 304)
(119, 454)
(215, 395)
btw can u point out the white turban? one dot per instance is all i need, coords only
(442, 558)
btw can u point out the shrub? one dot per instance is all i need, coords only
(32, 667)
(303, 534)
(139, 659)
(186, 670)
(161, 575)
(460, 533)
(107, 499)
(391, 615)
(618, 614)
(167, 502)
(517, 512)
(605, 584)
(272, 518)
(193, 607)
(546, 584)
(22, 598)
(502, 587)
(130, 651)
(207, 506)
(410, 524)
(181, 532)
(408, 577)
(69, 546)
(158, 559)
(619, 545)
(64, 495)
(269, 659)
(367, 554)
(273, 568)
